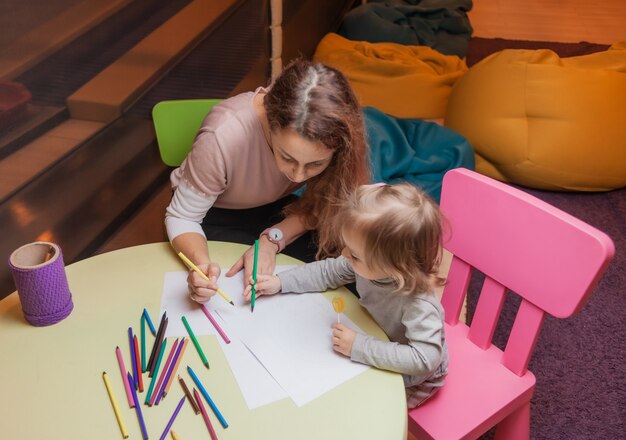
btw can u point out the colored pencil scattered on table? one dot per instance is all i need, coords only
(142, 424)
(143, 343)
(116, 410)
(197, 270)
(133, 358)
(160, 339)
(154, 378)
(207, 397)
(120, 361)
(215, 324)
(254, 264)
(157, 344)
(138, 376)
(171, 421)
(150, 324)
(170, 374)
(157, 390)
(195, 342)
(205, 416)
(190, 398)
(174, 435)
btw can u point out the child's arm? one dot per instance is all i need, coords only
(418, 358)
(317, 276)
(265, 285)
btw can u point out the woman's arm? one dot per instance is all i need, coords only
(292, 227)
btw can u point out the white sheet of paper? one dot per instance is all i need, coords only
(291, 335)
(288, 350)
(257, 386)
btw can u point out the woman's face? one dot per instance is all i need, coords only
(297, 158)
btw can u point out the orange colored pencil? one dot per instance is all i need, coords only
(171, 378)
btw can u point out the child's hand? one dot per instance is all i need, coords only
(343, 337)
(201, 290)
(265, 285)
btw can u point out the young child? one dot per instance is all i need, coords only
(392, 249)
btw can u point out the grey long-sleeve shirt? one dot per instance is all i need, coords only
(413, 323)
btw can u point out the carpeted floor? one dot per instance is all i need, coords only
(580, 362)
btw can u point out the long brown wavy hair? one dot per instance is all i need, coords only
(318, 103)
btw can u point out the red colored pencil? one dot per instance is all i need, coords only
(138, 363)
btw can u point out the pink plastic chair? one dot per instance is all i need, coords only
(549, 258)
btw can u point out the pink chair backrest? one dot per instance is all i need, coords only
(549, 258)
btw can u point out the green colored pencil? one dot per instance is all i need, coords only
(256, 257)
(195, 342)
(143, 343)
(156, 369)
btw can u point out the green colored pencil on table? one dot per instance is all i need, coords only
(195, 342)
(156, 369)
(256, 257)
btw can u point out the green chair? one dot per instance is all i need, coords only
(176, 124)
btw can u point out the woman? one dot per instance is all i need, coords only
(251, 153)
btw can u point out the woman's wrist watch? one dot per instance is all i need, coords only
(276, 236)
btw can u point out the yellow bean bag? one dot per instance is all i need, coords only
(402, 81)
(545, 122)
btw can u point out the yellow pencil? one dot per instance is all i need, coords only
(202, 274)
(174, 436)
(118, 416)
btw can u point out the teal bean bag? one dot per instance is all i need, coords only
(413, 150)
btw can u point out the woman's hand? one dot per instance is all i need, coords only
(343, 338)
(265, 285)
(266, 261)
(201, 290)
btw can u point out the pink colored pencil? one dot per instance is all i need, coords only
(168, 374)
(120, 361)
(215, 324)
(163, 373)
(171, 378)
(205, 416)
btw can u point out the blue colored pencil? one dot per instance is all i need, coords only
(133, 359)
(207, 397)
(143, 343)
(169, 424)
(142, 424)
(150, 324)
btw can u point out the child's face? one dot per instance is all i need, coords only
(354, 252)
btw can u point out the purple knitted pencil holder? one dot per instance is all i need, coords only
(41, 283)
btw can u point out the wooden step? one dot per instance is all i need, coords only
(117, 87)
(86, 196)
(20, 55)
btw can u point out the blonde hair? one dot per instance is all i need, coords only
(402, 232)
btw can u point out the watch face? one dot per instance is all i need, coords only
(275, 234)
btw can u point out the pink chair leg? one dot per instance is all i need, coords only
(516, 426)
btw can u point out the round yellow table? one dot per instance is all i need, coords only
(51, 383)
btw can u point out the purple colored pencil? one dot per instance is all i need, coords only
(163, 372)
(133, 358)
(169, 372)
(142, 424)
(169, 424)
